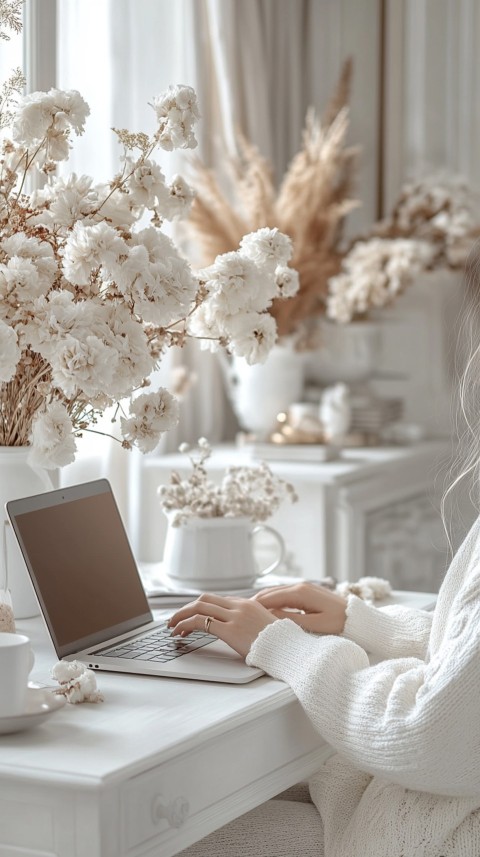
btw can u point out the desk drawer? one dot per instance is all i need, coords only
(198, 791)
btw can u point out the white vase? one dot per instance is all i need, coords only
(18, 479)
(217, 554)
(348, 353)
(259, 392)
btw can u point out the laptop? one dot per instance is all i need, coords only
(91, 595)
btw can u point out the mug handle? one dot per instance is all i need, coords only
(281, 548)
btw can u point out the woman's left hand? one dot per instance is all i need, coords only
(236, 621)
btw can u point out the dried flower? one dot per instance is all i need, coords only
(440, 209)
(244, 492)
(370, 589)
(373, 273)
(77, 683)
(89, 301)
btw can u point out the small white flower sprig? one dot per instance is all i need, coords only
(370, 589)
(77, 682)
(244, 492)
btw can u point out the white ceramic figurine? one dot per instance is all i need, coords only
(335, 412)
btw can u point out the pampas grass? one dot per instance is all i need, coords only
(310, 205)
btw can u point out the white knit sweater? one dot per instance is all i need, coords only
(405, 780)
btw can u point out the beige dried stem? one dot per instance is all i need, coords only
(312, 202)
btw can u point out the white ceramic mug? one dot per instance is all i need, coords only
(216, 554)
(16, 661)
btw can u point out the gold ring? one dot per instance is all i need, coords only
(208, 622)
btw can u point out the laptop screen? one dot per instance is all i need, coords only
(81, 564)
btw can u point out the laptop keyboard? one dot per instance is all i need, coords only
(158, 646)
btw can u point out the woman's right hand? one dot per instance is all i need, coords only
(315, 608)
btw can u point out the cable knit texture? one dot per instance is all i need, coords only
(405, 778)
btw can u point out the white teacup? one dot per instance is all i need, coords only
(16, 661)
(216, 554)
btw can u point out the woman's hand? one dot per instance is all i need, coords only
(313, 607)
(236, 621)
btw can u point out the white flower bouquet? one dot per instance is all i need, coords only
(373, 274)
(90, 297)
(244, 492)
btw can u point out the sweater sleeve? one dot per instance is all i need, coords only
(388, 632)
(414, 723)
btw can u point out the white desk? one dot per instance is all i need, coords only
(91, 781)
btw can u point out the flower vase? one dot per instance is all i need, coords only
(18, 479)
(260, 392)
(217, 554)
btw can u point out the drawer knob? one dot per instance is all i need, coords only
(176, 812)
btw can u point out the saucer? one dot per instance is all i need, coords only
(39, 705)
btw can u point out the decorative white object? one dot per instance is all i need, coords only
(16, 661)
(347, 352)
(258, 393)
(77, 683)
(213, 554)
(18, 479)
(335, 412)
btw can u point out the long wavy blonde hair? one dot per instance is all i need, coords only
(462, 479)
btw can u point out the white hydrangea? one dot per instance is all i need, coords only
(126, 335)
(49, 116)
(9, 352)
(205, 325)
(52, 439)
(64, 201)
(234, 282)
(162, 286)
(267, 247)
(85, 366)
(89, 247)
(287, 282)
(177, 111)
(151, 414)
(252, 335)
(177, 200)
(38, 253)
(146, 183)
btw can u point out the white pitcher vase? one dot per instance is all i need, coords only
(215, 554)
(259, 392)
(18, 479)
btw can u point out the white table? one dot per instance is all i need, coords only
(116, 778)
